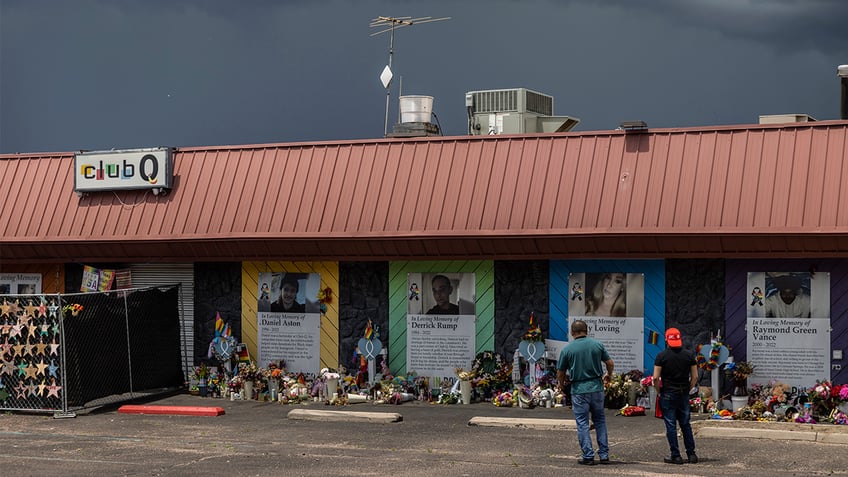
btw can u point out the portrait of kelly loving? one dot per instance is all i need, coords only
(607, 294)
(440, 294)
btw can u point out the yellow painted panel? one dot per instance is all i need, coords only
(329, 272)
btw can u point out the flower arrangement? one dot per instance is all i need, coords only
(491, 373)
(325, 297)
(534, 333)
(741, 370)
(616, 388)
(464, 375)
(74, 309)
(201, 372)
(248, 371)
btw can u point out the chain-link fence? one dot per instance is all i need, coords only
(67, 352)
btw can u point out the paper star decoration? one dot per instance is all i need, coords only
(21, 390)
(29, 310)
(18, 350)
(41, 387)
(8, 367)
(52, 309)
(42, 308)
(54, 347)
(45, 329)
(52, 368)
(53, 389)
(31, 371)
(41, 367)
(22, 368)
(5, 307)
(15, 331)
(40, 347)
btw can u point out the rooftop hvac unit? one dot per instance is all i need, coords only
(513, 111)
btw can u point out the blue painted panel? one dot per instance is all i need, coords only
(654, 272)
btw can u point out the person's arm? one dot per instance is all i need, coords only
(561, 379)
(693, 378)
(656, 378)
(610, 367)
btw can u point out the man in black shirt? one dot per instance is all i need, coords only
(675, 375)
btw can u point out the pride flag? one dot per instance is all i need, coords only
(219, 323)
(653, 337)
(369, 331)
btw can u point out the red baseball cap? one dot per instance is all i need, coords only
(672, 337)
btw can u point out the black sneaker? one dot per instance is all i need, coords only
(693, 459)
(673, 460)
(582, 461)
(604, 461)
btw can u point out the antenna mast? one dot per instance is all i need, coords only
(388, 24)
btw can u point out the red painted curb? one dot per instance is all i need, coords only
(177, 410)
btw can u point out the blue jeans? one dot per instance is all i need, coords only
(675, 408)
(584, 406)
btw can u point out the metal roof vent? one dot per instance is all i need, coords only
(785, 118)
(513, 111)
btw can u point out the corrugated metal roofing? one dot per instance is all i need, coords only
(729, 191)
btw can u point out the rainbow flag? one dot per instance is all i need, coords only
(219, 324)
(369, 331)
(653, 337)
(227, 332)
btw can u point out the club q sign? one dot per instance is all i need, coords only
(123, 169)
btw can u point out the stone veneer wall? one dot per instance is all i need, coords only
(520, 287)
(363, 295)
(217, 288)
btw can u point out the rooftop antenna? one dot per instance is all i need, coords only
(389, 24)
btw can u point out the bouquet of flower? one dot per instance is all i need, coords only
(74, 309)
(248, 371)
(464, 375)
(742, 370)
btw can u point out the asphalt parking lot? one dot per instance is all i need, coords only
(256, 438)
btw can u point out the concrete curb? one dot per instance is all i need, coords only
(541, 424)
(774, 431)
(346, 416)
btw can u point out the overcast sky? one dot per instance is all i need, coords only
(89, 74)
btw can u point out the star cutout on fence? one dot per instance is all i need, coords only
(15, 331)
(29, 310)
(55, 328)
(53, 390)
(18, 349)
(41, 367)
(23, 320)
(5, 308)
(21, 390)
(31, 371)
(45, 329)
(8, 367)
(41, 387)
(52, 309)
(40, 347)
(32, 331)
(52, 368)
(4, 329)
(22, 368)
(42, 308)
(28, 350)
(14, 308)
(5, 347)
(54, 347)
(33, 389)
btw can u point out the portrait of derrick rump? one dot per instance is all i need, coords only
(787, 296)
(442, 291)
(607, 296)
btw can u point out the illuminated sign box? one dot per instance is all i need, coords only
(123, 170)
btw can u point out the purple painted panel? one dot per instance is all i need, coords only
(736, 294)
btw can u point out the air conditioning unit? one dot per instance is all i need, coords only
(513, 111)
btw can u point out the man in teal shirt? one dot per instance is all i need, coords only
(583, 358)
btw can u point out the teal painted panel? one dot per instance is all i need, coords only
(654, 272)
(484, 275)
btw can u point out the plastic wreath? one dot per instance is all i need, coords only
(712, 363)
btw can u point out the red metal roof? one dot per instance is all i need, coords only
(751, 190)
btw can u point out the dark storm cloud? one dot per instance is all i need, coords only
(96, 74)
